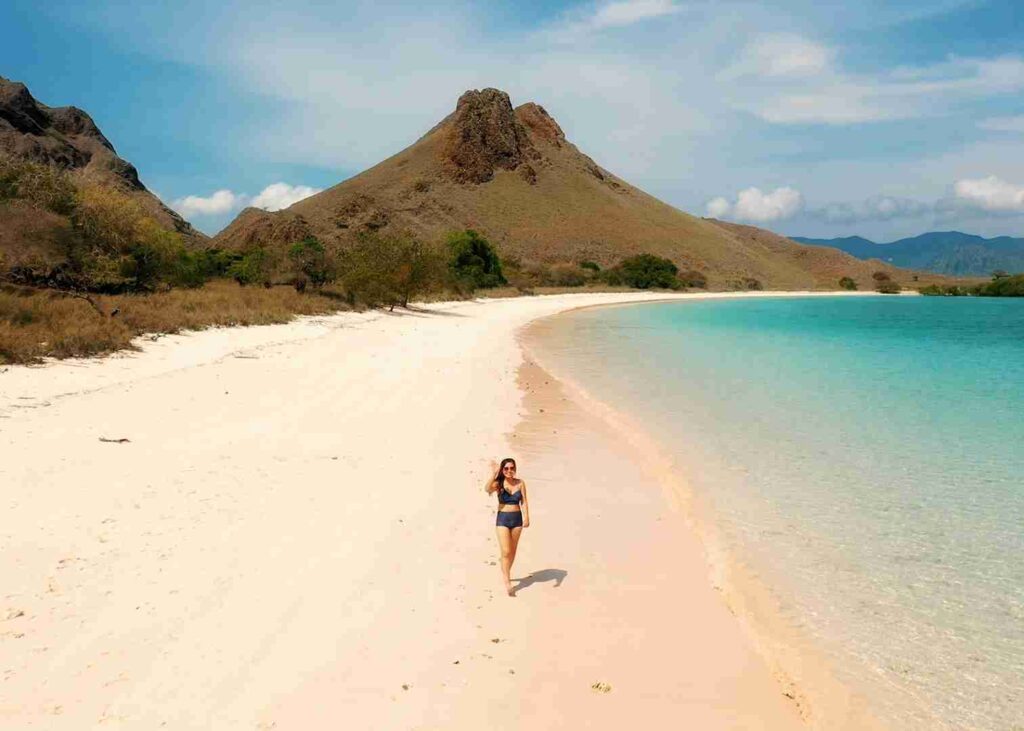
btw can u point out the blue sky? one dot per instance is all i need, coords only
(823, 119)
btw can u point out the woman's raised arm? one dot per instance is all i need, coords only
(492, 482)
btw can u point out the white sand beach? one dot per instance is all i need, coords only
(295, 536)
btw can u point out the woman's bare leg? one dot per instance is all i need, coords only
(505, 544)
(513, 546)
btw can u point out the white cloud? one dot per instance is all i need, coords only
(1003, 124)
(281, 195)
(627, 12)
(272, 198)
(637, 89)
(789, 79)
(219, 202)
(990, 194)
(577, 25)
(753, 204)
(718, 207)
(784, 55)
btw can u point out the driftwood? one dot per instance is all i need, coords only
(122, 440)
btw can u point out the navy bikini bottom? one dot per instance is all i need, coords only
(510, 519)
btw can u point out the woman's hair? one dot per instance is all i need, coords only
(500, 477)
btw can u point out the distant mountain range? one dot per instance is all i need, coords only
(944, 252)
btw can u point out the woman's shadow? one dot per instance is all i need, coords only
(555, 575)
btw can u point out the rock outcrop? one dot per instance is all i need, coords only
(485, 135)
(541, 125)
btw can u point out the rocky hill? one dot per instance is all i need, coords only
(511, 174)
(67, 139)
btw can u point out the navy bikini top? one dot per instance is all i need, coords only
(510, 498)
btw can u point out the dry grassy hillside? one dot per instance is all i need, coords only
(512, 175)
(819, 266)
(67, 139)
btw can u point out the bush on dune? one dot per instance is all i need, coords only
(473, 262)
(644, 271)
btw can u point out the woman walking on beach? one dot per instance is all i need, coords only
(513, 514)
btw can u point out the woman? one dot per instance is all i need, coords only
(513, 514)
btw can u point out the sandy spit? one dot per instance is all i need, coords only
(284, 527)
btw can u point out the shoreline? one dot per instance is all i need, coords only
(294, 528)
(801, 669)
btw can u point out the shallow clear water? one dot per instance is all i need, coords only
(865, 455)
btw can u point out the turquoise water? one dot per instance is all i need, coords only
(865, 456)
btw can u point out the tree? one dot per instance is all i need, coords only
(117, 247)
(390, 270)
(645, 271)
(881, 276)
(473, 262)
(310, 259)
(848, 284)
(418, 268)
(254, 267)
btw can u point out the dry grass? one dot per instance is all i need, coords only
(37, 325)
(47, 324)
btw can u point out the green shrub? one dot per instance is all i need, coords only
(252, 268)
(473, 262)
(591, 265)
(1006, 286)
(887, 286)
(848, 284)
(311, 261)
(644, 271)
(189, 269)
